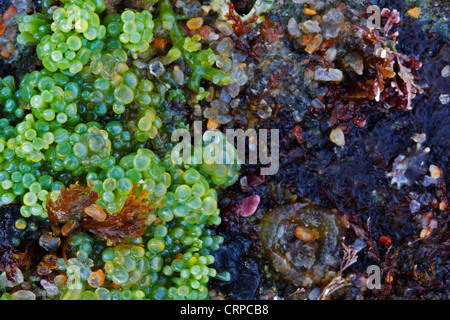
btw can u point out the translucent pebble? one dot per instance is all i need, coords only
(223, 27)
(337, 137)
(178, 75)
(191, 8)
(224, 47)
(293, 28)
(50, 288)
(314, 44)
(233, 90)
(445, 72)
(314, 294)
(330, 74)
(16, 278)
(194, 23)
(156, 68)
(223, 118)
(23, 295)
(234, 103)
(355, 61)
(49, 242)
(210, 113)
(310, 26)
(224, 63)
(444, 98)
(317, 104)
(96, 212)
(330, 30)
(331, 54)
(334, 15)
(243, 79)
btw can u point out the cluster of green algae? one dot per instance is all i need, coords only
(85, 118)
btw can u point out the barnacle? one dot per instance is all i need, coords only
(305, 260)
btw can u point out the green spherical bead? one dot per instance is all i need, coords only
(156, 245)
(123, 94)
(74, 43)
(141, 162)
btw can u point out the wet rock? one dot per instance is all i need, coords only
(233, 256)
(330, 74)
(298, 262)
(8, 232)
